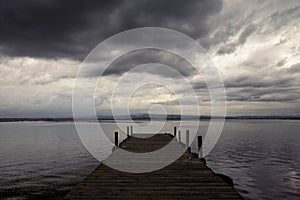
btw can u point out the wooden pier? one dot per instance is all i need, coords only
(186, 178)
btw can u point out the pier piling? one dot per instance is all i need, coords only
(187, 138)
(116, 139)
(175, 131)
(200, 154)
(127, 131)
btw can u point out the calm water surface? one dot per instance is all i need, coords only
(46, 159)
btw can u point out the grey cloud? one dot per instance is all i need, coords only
(231, 47)
(276, 86)
(62, 28)
(246, 33)
(258, 82)
(280, 19)
(282, 41)
(250, 80)
(280, 85)
(139, 57)
(294, 68)
(227, 49)
(223, 34)
(281, 62)
(263, 94)
(70, 29)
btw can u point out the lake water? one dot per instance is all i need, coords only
(46, 159)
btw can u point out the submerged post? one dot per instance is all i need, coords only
(175, 131)
(179, 136)
(187, 138)
(200, 146)
(127, 131)
(131, 130)
(116, 139)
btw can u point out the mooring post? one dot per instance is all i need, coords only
(200, 146)
(175, 131)
(116, 139)
(179, 136)
(127, 131)
(131, 130)
(187, 138)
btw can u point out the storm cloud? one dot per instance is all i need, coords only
(71, 28)
(254, 45)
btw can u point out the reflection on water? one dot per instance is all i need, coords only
(47, 158)
(40, 158)
(262, 156)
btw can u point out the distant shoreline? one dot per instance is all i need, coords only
(169, 118)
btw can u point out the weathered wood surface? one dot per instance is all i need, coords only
(186, 178)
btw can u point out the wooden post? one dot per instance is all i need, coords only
(175, 131)
(127, 131)
(187, 138)
(200, 146)
(131, 130)
(179, 136)
(116, 139)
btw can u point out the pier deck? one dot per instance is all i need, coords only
(186, 178)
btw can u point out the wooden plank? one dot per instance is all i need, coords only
(186, 178)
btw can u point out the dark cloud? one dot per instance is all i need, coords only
(264, 86)
(139, 57)
(71, 28)
(249, 80)
(250, 94)
(259, 82)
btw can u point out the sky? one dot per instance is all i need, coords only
(254, 45)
